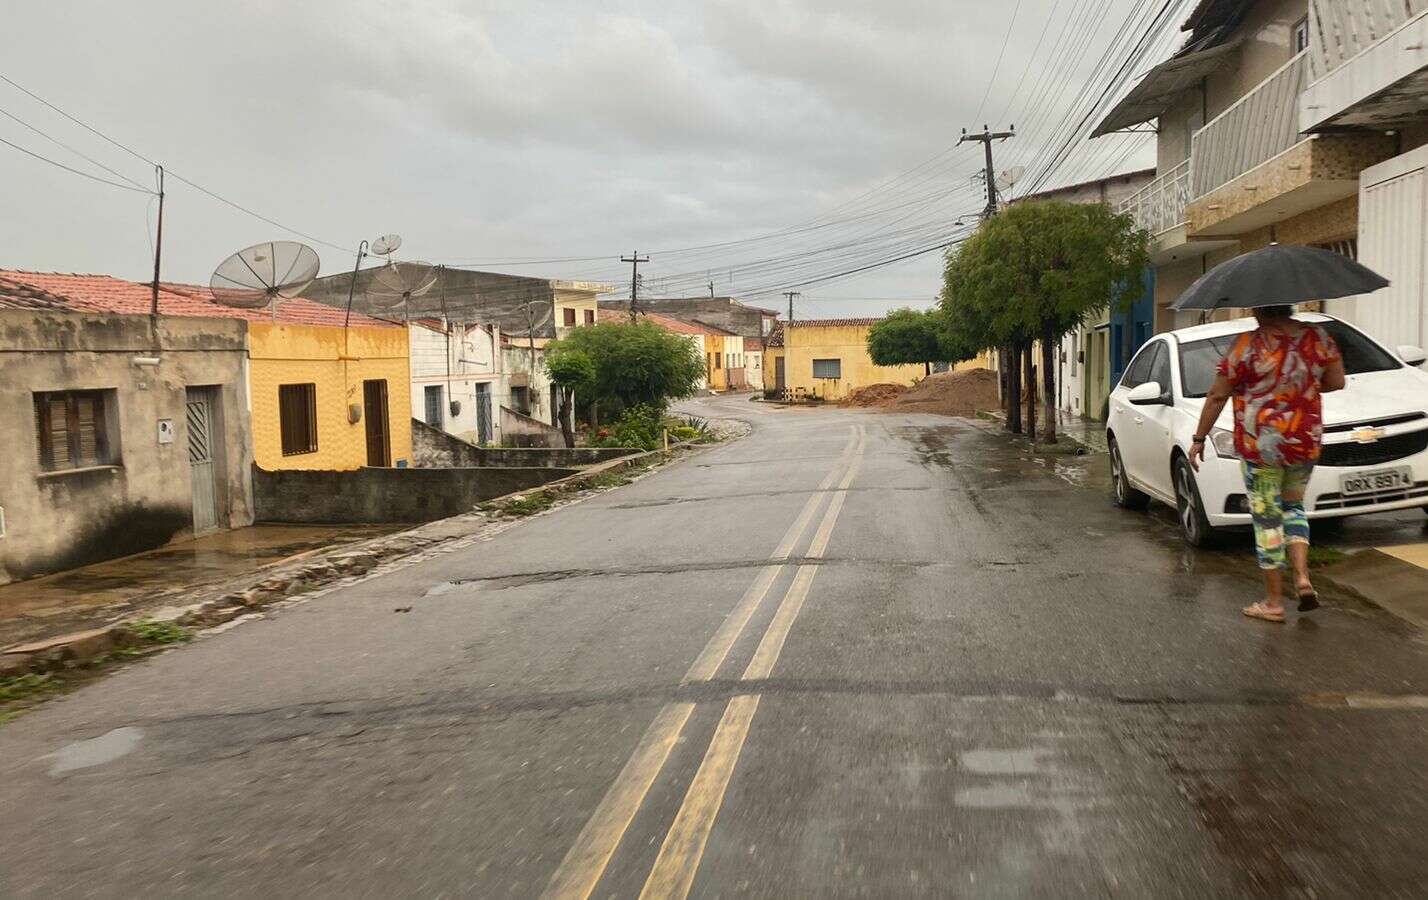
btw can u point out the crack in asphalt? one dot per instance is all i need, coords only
(522, 579)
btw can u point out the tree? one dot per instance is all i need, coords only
(573, 373)
(911, 337)
(635, 363)
(1032, 273)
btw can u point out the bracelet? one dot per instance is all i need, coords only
(1197, 440)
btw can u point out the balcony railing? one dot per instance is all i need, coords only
(1160, 205)
(1258, 127)
(1341, 29)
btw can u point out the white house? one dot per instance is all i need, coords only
(458, 380)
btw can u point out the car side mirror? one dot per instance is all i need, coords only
(1413, 356)
(1148, 393)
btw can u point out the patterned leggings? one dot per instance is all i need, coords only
(1276, 520)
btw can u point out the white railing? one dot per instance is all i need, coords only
(1258, 127)
(1341, 29)
(1160, 205)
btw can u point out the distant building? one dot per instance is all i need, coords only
(826, 359)
(730, 324)
(458, 378)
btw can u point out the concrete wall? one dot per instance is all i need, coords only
(848, 343)
(386, 495)
(524, 431)
(337, 364)
(60, 520)
(432, 448)
(516, 363)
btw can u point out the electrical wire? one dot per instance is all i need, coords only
(79, 172)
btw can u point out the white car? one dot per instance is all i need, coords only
(1375, 452)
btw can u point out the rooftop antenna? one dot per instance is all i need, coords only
(260, 275)
(1008, 178)
(386, 244)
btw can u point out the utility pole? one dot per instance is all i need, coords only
(711, 290)
(790, 295)
(986, 138)
(158, 250)
(634, 259)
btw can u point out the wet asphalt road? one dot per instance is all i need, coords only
(853, 654)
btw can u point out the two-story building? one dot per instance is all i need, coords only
(1296, 121)
(458, 380)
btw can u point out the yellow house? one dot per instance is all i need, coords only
(827, 358)
(325, 397)
(715, 372)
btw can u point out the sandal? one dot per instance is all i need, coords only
(1308, 599)
(1258, 610)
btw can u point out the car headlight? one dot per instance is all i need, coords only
(1224, 443)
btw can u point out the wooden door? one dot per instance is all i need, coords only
(374, 413)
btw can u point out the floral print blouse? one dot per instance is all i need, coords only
(1277, 406)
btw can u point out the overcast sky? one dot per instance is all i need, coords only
(483, 131)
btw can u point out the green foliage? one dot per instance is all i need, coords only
(570, 368)
(158, 632)
(914, 337)
(528, 505)
(634, 364)
(640, 426)
(26, 685)
(1039, 267)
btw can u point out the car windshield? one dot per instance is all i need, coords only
(1198, 359)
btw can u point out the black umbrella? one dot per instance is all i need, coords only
(1279, 274)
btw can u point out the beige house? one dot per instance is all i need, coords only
(1268, 120)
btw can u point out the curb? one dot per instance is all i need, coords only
(317, 570)
(1394, 586)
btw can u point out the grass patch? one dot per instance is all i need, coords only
(1325, 556)
(27, 686)
(608, 480)
(529, 505)
(159, 632)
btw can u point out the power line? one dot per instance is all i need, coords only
(62, 144)
(61, 165)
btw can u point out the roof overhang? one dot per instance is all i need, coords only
(1163, 85)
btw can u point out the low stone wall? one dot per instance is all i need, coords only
(433, 448)
(375, 496)
(519, 430)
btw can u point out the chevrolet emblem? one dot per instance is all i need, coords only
(1367, 435)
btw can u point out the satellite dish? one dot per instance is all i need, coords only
(386, 245)
(1009, 177)
(258, 276)
(398, 282)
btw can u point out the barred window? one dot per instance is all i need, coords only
(828, 368)
(297, 418)
(73, 429)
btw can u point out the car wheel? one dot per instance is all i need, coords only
(1189, 508)
(1125, 496)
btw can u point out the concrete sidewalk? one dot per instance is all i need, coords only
(1394, 578)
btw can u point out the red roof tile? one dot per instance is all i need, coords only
(106, 294)
(833, 323)
(675, 325)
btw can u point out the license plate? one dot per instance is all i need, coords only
(1375, 481)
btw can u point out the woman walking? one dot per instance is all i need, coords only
(1276, 374)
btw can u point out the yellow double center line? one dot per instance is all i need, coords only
(683, 846)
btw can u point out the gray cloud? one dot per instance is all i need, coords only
(494, 129)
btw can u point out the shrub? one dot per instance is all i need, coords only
(641, 426)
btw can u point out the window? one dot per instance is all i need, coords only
(1301, 35)
(1138, 372)
(589, 317)
(717, 360)
(569, 316)
(434, 418)
(73, 428)
(297, 418)
(1198, 359)
(1160, 373)
(828, 368)
(520, 400)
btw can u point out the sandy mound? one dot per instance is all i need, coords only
(950, 393)
(874, 395)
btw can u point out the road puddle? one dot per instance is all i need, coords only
(96, 751)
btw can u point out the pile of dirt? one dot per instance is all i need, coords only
(874, 395)
(950, 394)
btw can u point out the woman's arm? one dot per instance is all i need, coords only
(1214, 403)
(1333, 379)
